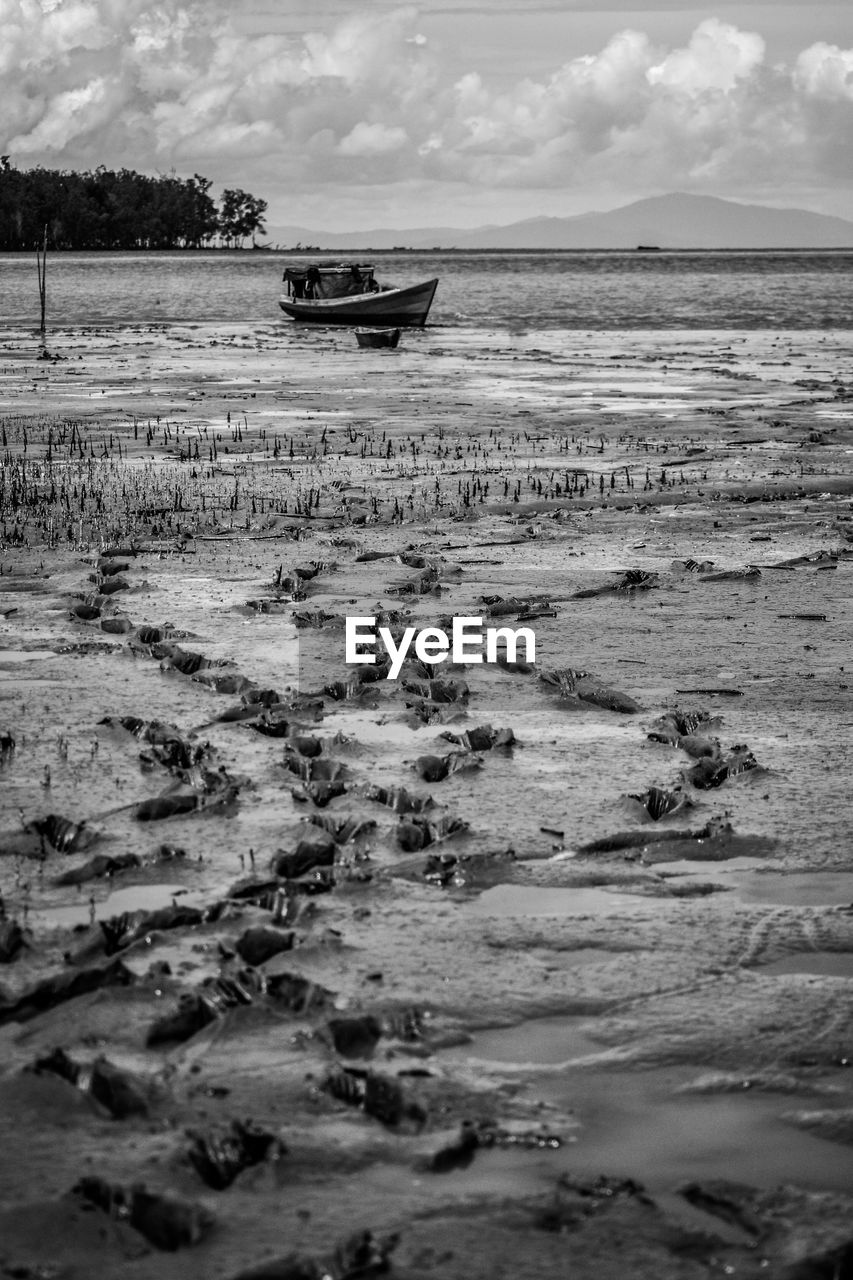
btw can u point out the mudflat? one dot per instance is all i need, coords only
(523, 968)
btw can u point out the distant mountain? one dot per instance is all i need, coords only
(677, 221)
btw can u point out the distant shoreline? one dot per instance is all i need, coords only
(313, 251)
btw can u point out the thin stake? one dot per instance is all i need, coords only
(41, 266)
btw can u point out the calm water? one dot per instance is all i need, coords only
(543, 290)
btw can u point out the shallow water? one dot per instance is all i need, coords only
(827, 964)
(637, 1123)
(532, 900)
(516, 291)
(634, 1123)
(794, 889)
(139, 897)
(534, 1043)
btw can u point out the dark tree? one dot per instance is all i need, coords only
(107, 209)
(242, 215)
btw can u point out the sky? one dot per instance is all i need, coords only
(358, 114)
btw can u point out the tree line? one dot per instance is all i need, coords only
(105, 209)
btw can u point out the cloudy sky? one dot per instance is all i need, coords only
(352, 114)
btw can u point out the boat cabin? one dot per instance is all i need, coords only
(347, 279)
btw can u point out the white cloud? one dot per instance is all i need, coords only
(372, 140)
(156, 83)
(825, 71)
(717, 57)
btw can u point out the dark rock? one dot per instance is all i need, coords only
(346, 1086)
(732, 575)
(399, 799)
(84, 612)
(467, 870)
(160, 807)
(577, 1199)
(171, 917)
(152, 635)
(729, 1201)
(261, 942)
(118, 932)
(169, 852)
(386, 1101)
(657, 802)
(459, 1154)
(417, 832)
(314, 770)
(193, 1013)
(438, 691)
(342, 829)
(219, 1159)
(632, 580)
(11, 940)
(298, 995)
(168, 1222)
(362, 1256)
(254, 890)
(185, 661)
(714, 772)
(227, 683)
(692, 566)
(437, 768)
(64, 986)
(483, 738)
(355, 1037)
(122, 1093)
(317, 851)
(197, 1009)
(584, 687)
(64, 835)
(57, 1063)
(322, 793)
(98, 867)
(116, 626)
(113, 585)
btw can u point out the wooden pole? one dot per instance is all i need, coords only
(41, 265)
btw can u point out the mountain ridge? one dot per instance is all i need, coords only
(678, 220)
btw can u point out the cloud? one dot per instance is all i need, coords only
(717, 58)
(372, 140)
(156, 84)
(825, 71)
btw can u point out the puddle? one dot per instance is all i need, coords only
(634, 1123)
(795, 889)
(825, 964)
(10, 657)
(139, 897)
(711, 866)
(537, 1042)
(800, 889)
(533, 900)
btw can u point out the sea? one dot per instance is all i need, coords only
(608, 289)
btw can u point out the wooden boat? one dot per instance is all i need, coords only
(348, 294)
(377, 337)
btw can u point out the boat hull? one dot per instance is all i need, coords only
(377, 337)
(389, 307)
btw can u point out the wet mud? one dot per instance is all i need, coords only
(531, 968)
